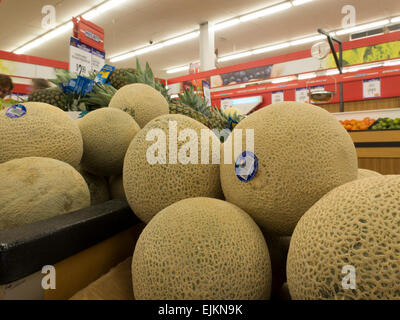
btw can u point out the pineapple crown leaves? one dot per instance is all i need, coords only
(146, 76)
(219, 118)
(62, 76)
(99, 97)
(195, 101)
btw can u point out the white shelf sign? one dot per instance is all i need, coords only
(302, 95)
(226, 103)
(277, 96)
(372, 88)
(84, 59)
(207, 92)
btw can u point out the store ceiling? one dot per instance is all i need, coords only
(136, 22)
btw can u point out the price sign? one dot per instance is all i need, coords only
(79, 58)
(98, 59)
(302, 95)
(372, 88)
(226, 103)
(207, 92)
(277, 96)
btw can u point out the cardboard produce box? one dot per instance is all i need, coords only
(114, 285)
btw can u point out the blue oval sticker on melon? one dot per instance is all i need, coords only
(16, 111)
(246, 166)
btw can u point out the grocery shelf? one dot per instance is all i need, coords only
(375, 136)
(378, 150)
(375, 114)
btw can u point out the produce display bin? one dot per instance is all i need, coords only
(82, 246)
(378, 150)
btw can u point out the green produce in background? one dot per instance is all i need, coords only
(386, 124)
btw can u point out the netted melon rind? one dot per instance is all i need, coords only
(201, 248)
(365, 173)
(149, 188)
(303, 153)
(34, 189)
(141, 101)
(106, 135)
(357, 224)
(44, 131)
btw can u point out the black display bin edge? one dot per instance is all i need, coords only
(26, 249)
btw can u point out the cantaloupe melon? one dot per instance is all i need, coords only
(303, 152)
(106, 134)
(356, 225)
(98, 187)
(141, 101)
(201, 248)
(152, 186)
(116, 187)
(43, 131)
(34, 189)
(365, 173)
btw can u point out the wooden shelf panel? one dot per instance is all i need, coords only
(376, 136)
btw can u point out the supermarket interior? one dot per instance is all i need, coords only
(199, 150)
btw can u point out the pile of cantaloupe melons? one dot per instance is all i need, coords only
(304, 223)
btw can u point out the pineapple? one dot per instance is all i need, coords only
(56, 97)
(147, 77)
(118, 77)
(180, 108)
(100, 96)
(53, 96)
(218, 119)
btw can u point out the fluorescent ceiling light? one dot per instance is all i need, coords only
(226, 24)
(284, 79)
(362, 27)
(149, 49)
(104, 7)
(307, 40)
(178, 69)
(265, 12)
(124, 56)
(91, 14)
(235, 56)
(393, 20)
(46, 37)
(305, 76)
(392, 63)
(271, 48)
(300, 2)
(183, 38)
(155, 47)
(109, 5)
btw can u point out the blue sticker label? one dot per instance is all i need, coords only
(246, 166)
(16, 111)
